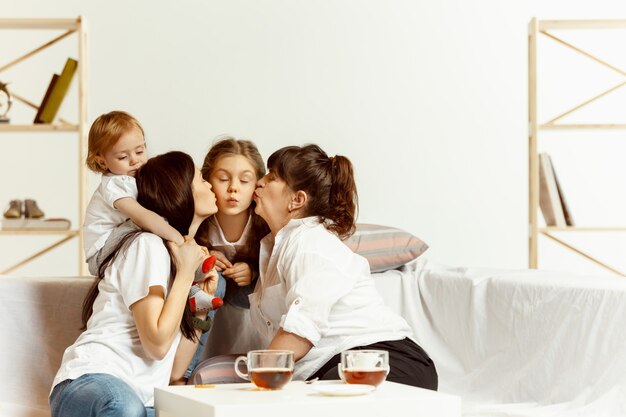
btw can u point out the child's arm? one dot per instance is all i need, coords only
(147, 219)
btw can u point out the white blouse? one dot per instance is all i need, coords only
(314, 286)
(219, 242)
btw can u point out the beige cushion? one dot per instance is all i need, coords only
(39, 318)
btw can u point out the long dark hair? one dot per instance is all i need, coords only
(328, 182)
(164, 187)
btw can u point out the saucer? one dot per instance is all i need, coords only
(343, 390)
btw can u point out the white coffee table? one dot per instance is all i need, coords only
(298, 399)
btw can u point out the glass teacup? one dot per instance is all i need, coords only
(368, 367)
(267, 369)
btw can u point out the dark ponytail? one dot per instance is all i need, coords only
(328, 182)
(343, 197)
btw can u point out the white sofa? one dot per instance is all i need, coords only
(510, 343)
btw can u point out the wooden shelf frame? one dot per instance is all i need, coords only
(66, 236)
(77, 28)
(56, 127)
(541, 28)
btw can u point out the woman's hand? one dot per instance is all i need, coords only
(240, 272)
(188, 256)
(221, 261)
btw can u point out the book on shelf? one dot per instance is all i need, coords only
(35, 224)
(56, 92)
(549, 197)
(569, 220)
(46, 97)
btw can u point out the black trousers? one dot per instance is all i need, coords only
(409, 364)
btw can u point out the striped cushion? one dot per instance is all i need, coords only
(216, 370)
(385, 247)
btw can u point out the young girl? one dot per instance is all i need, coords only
(117, 149)
(232, 166)
(315, 296)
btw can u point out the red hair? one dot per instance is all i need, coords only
(104, 133)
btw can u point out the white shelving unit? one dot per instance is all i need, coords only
(67, 28)
(540, 31)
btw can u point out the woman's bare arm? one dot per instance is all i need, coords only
(158, 319)
(290, 341)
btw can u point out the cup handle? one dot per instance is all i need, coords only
(340, 372)
(245, 376)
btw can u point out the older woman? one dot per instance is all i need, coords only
(315, 296)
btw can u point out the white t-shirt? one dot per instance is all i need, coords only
(111, 343)
(218, 240)
(314, 286)
(101, 216)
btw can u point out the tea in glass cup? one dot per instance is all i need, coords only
(369, 367)
(267, 369)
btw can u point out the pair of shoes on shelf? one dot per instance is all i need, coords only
(28, 208)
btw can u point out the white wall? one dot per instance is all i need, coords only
(428, 99)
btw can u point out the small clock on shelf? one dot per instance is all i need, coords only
(6, 100)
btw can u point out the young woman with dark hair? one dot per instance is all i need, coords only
(314, 295)
(137, 309)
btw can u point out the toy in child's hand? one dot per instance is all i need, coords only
(217, 303)
(200, 301)
(208, 264)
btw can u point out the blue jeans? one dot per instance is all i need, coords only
(219, 292)
(96, 395)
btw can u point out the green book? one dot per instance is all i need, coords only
(59, 90)
(46, 97)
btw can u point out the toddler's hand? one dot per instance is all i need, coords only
(209, 285)
(240, 272)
